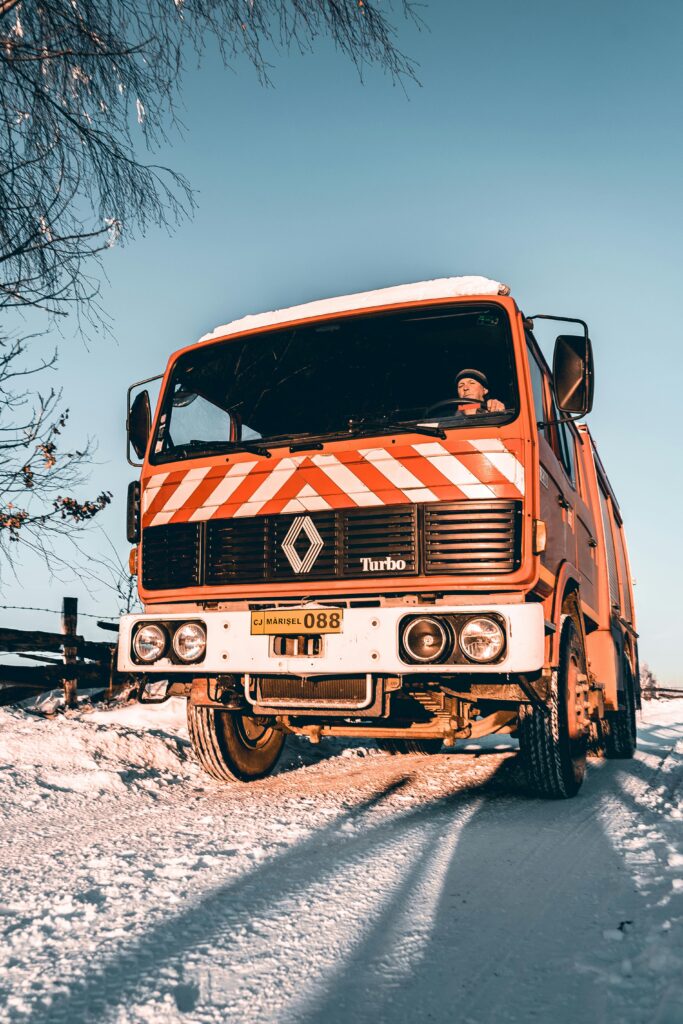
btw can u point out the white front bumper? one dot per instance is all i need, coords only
(369, 643)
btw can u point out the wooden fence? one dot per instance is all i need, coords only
(79, 661)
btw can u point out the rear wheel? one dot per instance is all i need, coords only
(410, 746)
(618, 728)
(231, 746)
(553, 745)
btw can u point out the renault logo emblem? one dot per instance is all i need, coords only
(302, 524)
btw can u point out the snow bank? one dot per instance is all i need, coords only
(168, 716)
(94, 753)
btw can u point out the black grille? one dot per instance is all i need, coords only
(382, 540)
(170, 556)
(459, 538)
(355, 542)
(236, 550)
(471, 537)
(287, 689)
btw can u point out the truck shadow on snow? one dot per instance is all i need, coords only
(518, 894)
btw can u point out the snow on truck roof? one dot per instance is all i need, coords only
(440, 288)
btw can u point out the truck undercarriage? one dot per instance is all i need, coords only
(400, 709)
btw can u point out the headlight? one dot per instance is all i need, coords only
(189, 641)
(482, 639)
(149, 642)
(426, 639)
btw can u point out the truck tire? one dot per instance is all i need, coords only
(410, 746)
(553, 746)
(618, 728)
(232, 746)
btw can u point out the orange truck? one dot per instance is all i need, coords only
(375, 516)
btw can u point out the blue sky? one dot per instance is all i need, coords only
(543, 148)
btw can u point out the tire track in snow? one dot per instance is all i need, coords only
(356, 888)
(235, 909)
(643, 819)
(391, 949)
(384, 880)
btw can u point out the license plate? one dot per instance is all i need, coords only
(297, 621)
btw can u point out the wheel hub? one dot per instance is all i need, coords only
(254, 731)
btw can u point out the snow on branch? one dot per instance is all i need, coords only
(83, 84)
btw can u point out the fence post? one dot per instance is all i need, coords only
(70, 630)
(109, 693)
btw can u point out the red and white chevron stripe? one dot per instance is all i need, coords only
(427, 471)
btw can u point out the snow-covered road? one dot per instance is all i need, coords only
(352, 886)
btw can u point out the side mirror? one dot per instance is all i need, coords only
(140, 424)
(573, 375)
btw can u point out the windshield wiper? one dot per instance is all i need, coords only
(304, 446)
(383, 423)
(250, 446)
(190, 448)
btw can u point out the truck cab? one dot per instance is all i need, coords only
(374, 516)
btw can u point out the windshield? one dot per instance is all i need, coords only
(359, 374)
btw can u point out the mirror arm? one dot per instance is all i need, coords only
(562, 319)
(569, 418)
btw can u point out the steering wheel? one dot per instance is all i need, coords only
(448, 403)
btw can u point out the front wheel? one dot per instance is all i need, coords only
(553, 745)
(232, 746)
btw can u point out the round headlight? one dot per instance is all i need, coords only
(189, 641)
(149, 642)
(482, 639)
(425, 639)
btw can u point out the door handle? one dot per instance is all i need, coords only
(562, 501)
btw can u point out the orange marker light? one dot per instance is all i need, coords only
(540, 536)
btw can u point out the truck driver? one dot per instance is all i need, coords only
(473, 385)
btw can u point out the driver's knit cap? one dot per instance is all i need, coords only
(473, 375)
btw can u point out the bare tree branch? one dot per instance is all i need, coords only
(85, 85)
(37, 477)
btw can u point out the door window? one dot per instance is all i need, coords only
(568, 450)
(623, 572)
(609, 551)
(537, 389)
